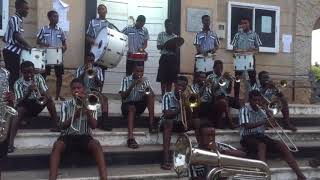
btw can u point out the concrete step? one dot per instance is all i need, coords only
(29, 139)
(279, 170)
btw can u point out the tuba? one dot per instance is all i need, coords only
(6, 112)
(224, 165)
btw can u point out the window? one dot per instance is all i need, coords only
(265, 21)
(4, 13)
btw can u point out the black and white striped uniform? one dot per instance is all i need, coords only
(248, 115)
(163, 37)
(21, 87)
(246, 40)
(206, 41)
(90, 84)
(222, 91)
(96, 25)
(53, 36)
(15, 25)
(136, 38)
(170, 102)
(81, 125)
(203, 91)
(137, 92)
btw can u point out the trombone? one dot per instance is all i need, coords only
(275, 107)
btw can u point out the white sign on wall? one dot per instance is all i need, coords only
(62, 8)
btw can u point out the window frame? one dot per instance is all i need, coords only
(5, 16)
(254, 7)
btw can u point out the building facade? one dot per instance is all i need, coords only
(280, 19)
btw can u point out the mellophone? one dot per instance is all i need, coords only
(42, 57)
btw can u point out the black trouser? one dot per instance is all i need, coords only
(12, 64)
(130, 64)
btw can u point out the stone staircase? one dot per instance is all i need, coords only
(34, 143)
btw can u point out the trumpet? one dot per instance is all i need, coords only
(144, 87)
(91, 101)
(275, 107)
(90, 72)
(40, 99)
(224, 79)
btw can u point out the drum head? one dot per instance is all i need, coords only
(100, 44)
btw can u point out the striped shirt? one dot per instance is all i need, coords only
(222, 91)
(54, 37)
(137, 92)
(81, 126)
(266, 92)
(246, 40)
(15, 25)
(90, 83)
(163, 37)
(170, 102)
(207, 41)
(203, 91)
(248, 115)
(21, 87)
(96, 25)
(136, 38)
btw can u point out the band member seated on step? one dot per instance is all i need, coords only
(32, 97)
(220, 92)
(76, 123)
(268, 89)
(8, 100)
(52, 36)
(92, 77)
(253, 121)
(171, 119)
(137, 95)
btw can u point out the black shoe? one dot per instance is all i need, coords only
(11, 149)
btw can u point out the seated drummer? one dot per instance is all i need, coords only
(246, 40)
(28, 89)
(53, 36)
(269, 90)
(221, 98)
(253, 121)
(137, 95)
(76, 136)
(95, 84)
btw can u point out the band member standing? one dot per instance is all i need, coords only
(246, 41)
(269, 90)
(8, 99)
(14, 41)
(168, 64)
(138, 37)
(221, 98)
(95, 84)
(52, 36)
(136, 94)
(76, 123)
(253, 121)
(206, 41)
(28, 90)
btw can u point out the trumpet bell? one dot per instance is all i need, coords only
(93, 102)
(42, 100)
(222, 82)
(283, 83)
(193, 102)
(274, 107)
(147, 91)
(182, 155)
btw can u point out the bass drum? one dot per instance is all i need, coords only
(109, 47)
(36, 56)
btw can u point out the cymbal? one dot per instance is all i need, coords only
(174, 43)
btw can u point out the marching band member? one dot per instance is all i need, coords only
(53, 36)
(76, 123)
(168, 64)
(171, 117)
(15, 41)
(246, 41)
(95, 84)
(206, 41)
(268, 90)
(136, 94)
(32, 97)
(253, 121)
(138, 37)
(9, 99)
(221, 100)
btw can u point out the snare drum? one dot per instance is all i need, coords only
(110, 46)
(138, 56)
(54, 56)
(36, 56)
(243, 61)
(204, 63)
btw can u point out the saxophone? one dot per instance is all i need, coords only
(6, 112)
